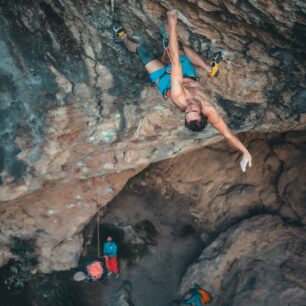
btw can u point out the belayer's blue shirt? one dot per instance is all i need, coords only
(110, 249)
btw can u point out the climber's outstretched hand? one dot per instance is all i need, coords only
(172, 17)
(245, 160)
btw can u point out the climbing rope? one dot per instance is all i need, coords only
(98, 206)
(165, 44)
(214, 63)
(98, 231)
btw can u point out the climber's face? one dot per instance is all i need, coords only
(109, 239)
(195, 119)
(192, 112)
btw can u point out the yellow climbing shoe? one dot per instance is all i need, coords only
(119, 30)
(215, 69)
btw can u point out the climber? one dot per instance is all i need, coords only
(95, 269)
(179, 82)
(199, 296)
(110, 250)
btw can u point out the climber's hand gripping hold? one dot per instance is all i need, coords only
(245, 160)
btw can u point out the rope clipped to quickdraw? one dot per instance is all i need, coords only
(165, 43)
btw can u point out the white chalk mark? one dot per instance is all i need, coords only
(138, 129)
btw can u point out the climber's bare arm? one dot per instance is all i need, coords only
(218, 123)
(196, 59)
(177, 90)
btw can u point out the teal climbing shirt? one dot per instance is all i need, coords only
(110, 249)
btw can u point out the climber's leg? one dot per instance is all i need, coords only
(159, 74)
(212, 69)
(150, 61)
(130, 44)
(196, 59)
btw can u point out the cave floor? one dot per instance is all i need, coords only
(156, 276)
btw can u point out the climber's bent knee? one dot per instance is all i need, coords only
(145, 55)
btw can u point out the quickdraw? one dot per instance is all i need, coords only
(165, 44)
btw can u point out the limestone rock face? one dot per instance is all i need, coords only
(257, 262)
(224, 195)
(78, 116)
(253, 225)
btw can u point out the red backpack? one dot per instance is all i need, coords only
(95, 270)
(206, 297)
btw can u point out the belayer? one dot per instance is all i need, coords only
(179, 82)
(110, 250)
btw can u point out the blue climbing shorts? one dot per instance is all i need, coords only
(163, 74)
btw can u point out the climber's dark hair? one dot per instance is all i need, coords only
(197, 125)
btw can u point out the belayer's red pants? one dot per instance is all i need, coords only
(112, 264)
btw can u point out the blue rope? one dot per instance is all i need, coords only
(165, 37)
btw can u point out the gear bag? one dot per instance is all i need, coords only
(95, 270)
(206, 297)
